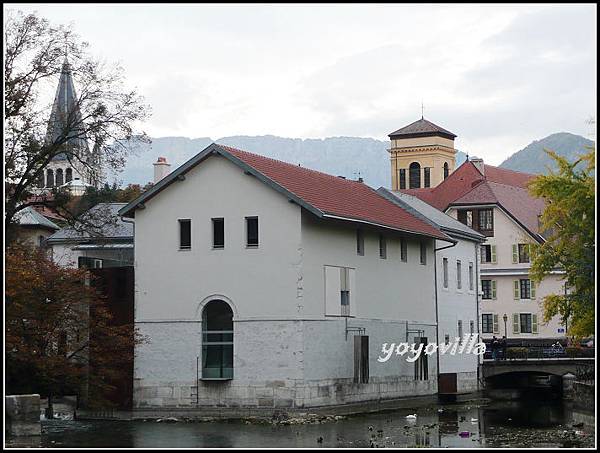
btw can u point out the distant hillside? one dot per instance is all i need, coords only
(343, 156)
(533, 159)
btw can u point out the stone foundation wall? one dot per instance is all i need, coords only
(277, 364)
(467, 382)
(22, 414)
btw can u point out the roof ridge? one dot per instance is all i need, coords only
(510, 170)
(336, 178)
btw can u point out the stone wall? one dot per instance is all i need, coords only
(287, 364)
(583, 395)
(22, 414)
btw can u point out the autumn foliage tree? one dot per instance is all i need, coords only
(569, 222)
(56, 320)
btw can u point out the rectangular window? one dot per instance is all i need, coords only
(345, 291)
(487, 323)
(525, 288)
(486, 289)
(382, 247)
(185, 234)
(471, 283)
(525, 322)
(252, 231)
(423, 247)
(460, 331)
(523, 253)
(427, 176)
(403, 250)
(486, 253)
(360, 242)
(486, 220)
(218, 226)
(402, 176)
(471, 327)
(465, 216)
(458, 274)
(445, 269)
(446, 339)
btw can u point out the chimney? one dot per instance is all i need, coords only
(161, 169)
(478, 162)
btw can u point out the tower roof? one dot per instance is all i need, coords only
(422, 128)
(66, 115)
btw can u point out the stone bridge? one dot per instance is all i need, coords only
(555, 366)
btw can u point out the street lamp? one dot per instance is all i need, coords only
(505, 319)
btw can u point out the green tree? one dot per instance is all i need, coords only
(569, 224)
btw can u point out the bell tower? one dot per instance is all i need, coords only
(422, 155)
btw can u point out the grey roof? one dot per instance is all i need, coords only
(434, 216)
(30, 217)
(422, 128)
(66, 114)
(110, 226)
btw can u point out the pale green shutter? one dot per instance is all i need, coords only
(494, 260)
(517, 294)
(494, 289)
(516, 328)
(532, 289)
(495, 318)
(534, 324)
(515, 254)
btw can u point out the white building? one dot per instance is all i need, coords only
(99, 239)
(457, 277)
(264, 284)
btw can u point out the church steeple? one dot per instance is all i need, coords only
(65, 118)
(422, 155)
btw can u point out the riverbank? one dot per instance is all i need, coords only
(462, 425)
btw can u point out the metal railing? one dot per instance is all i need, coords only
(539, 352)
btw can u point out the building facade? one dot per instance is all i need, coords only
(263, 284)
(496, 203)
(457, 283)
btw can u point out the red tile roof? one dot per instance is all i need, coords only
(335, 196)
(467, 186)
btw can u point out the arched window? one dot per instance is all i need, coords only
(446, 170)
(50, 178)
(414, 171)
(59, 177)
(217, 340)
(68, 174)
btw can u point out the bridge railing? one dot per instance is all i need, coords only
(539, 352)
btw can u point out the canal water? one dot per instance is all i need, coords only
(481, 423)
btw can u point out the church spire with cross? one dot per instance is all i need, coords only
(74, 167)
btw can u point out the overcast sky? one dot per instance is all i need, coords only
(497, 76)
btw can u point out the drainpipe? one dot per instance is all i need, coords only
(477, 278)
(437, 315)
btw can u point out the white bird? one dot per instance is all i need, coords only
(411, 416)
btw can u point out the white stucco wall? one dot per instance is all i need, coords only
(285, 348)
(456, 304)
(506, 233)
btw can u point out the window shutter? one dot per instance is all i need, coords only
(494, 289)
(534, 324)
(351, 275)
(532, 289)
(517, 294)
(494, 260)
(516, 328)
(496, 324)
(332, 291)
(515, 253)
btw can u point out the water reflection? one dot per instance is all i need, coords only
(499, 423)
